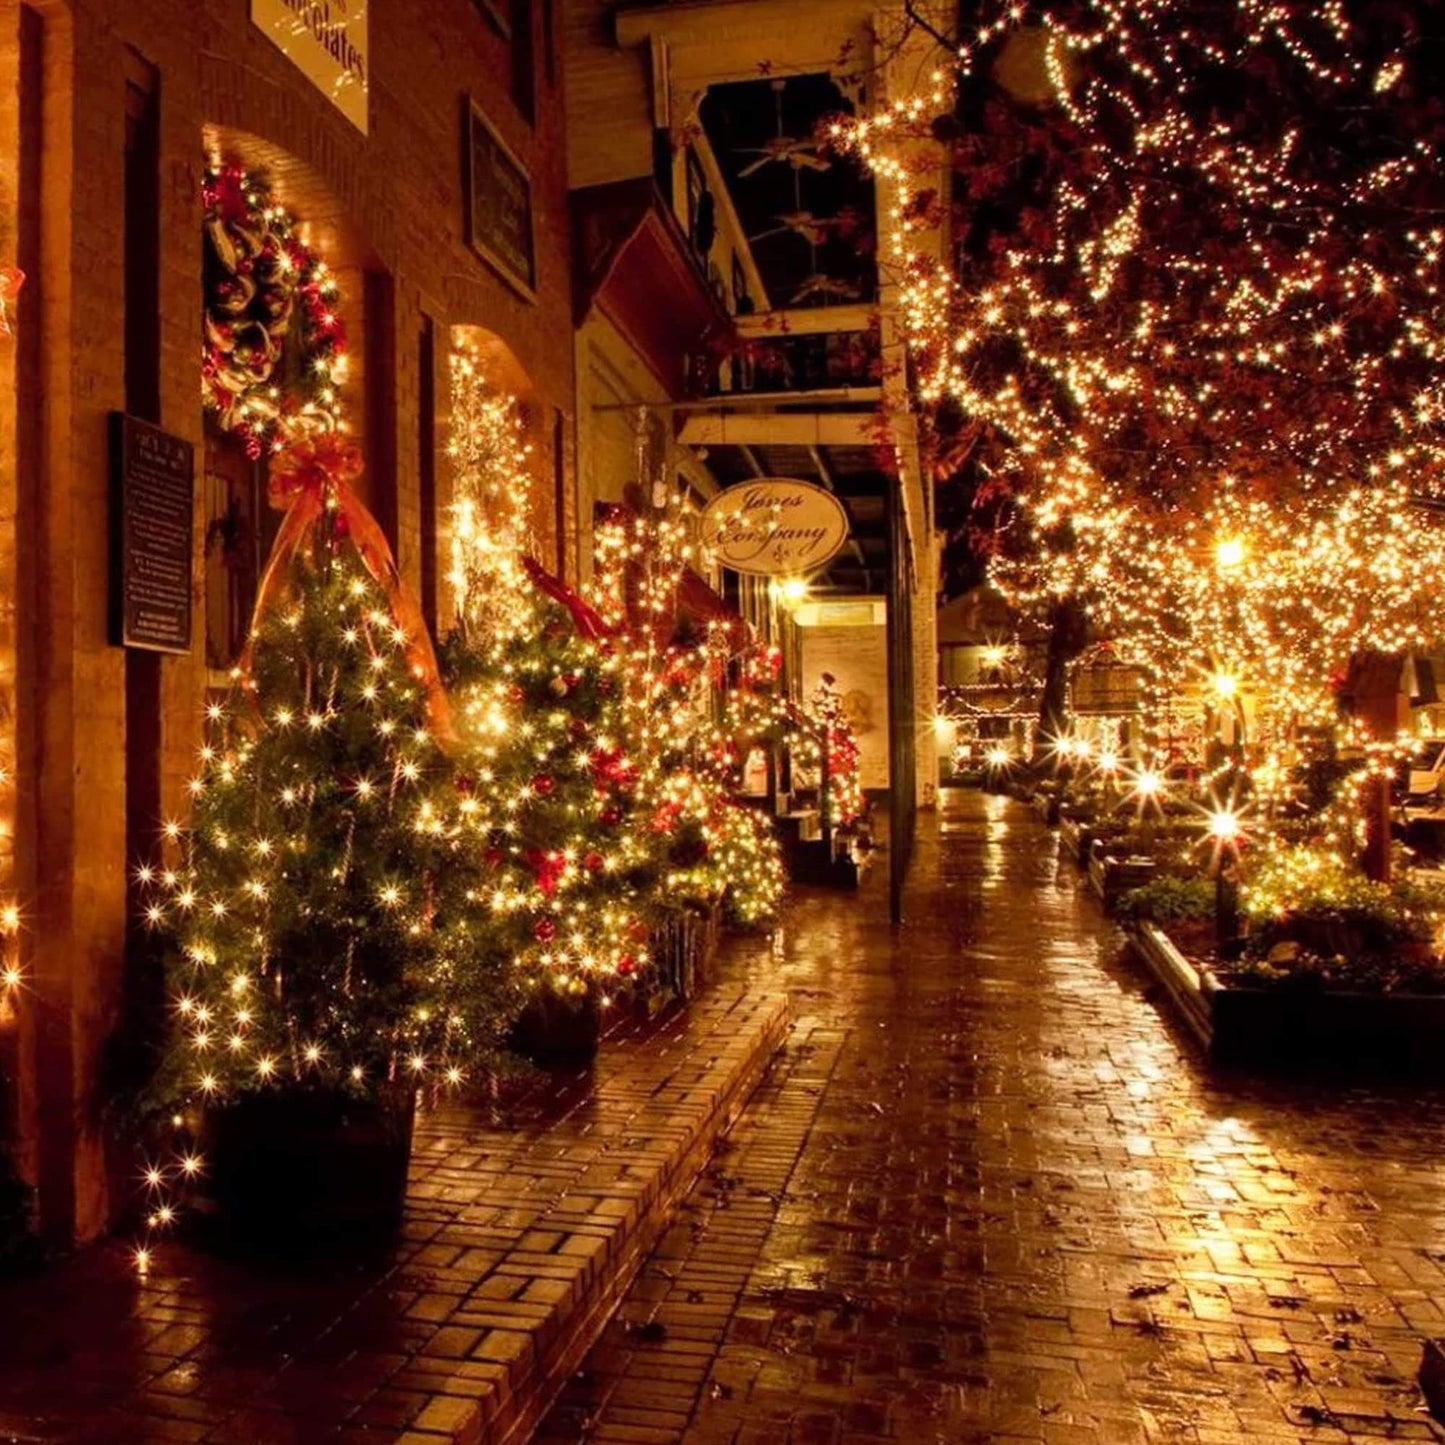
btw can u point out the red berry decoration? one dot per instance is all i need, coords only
(544, 930)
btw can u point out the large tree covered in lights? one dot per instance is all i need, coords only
(1197, 271)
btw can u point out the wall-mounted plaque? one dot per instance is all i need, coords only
(153, 500)
(774, 527)
(498, 199)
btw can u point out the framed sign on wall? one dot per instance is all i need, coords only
(497, 195)
(152, 502)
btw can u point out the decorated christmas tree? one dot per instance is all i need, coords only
(536, 676)
(319, 906)
(845, 804)
(708, 848)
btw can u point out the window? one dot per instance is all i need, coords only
(524, 60)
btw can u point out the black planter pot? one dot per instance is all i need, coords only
(302, 1170)
(684, 950)
(557, 1032)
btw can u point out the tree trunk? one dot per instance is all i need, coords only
(1068, 632)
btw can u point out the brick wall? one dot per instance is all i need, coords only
(392, 202)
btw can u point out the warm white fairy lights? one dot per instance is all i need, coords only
(1205, 352)
(491, 508)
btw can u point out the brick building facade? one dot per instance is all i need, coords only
(108, 110)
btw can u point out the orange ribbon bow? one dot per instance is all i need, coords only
(312, 480)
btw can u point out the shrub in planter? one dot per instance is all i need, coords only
(1170, 899)
(1288, 965)
(322, 957)
(1316, 923)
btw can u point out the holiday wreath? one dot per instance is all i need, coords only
(265, 291)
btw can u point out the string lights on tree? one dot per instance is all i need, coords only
(1185, 355)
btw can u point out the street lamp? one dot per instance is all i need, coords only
(1225, 830)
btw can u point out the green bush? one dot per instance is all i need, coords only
(1170, 899)
(1289, 965)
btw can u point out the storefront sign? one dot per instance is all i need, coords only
(499, 205)
(153, 487)
(326, 41)
(774, 527)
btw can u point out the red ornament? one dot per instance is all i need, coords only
(515, 693)
(547, 869)
(493, 857)
(611, 816)
(626, 965)
(594, 862)
(544, 785)
(544, 930)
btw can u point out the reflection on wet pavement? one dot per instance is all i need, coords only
(987, 1194)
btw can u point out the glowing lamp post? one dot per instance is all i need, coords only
(1225, 830)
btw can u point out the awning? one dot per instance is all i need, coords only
(637, 268)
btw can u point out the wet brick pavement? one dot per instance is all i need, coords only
(987, 1194)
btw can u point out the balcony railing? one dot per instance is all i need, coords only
(803, 351)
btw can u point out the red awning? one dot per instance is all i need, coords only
(637, 268)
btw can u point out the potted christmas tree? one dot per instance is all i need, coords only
(568, 876)
(322, 964)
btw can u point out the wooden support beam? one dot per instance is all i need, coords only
(780, 429)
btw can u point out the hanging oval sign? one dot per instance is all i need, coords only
(774, 527)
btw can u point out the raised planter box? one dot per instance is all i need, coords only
(1078, 836)
(1297, 1031)
(1112, 877)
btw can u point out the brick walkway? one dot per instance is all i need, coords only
(988, 1195)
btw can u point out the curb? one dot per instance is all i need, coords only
(500, 1393)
